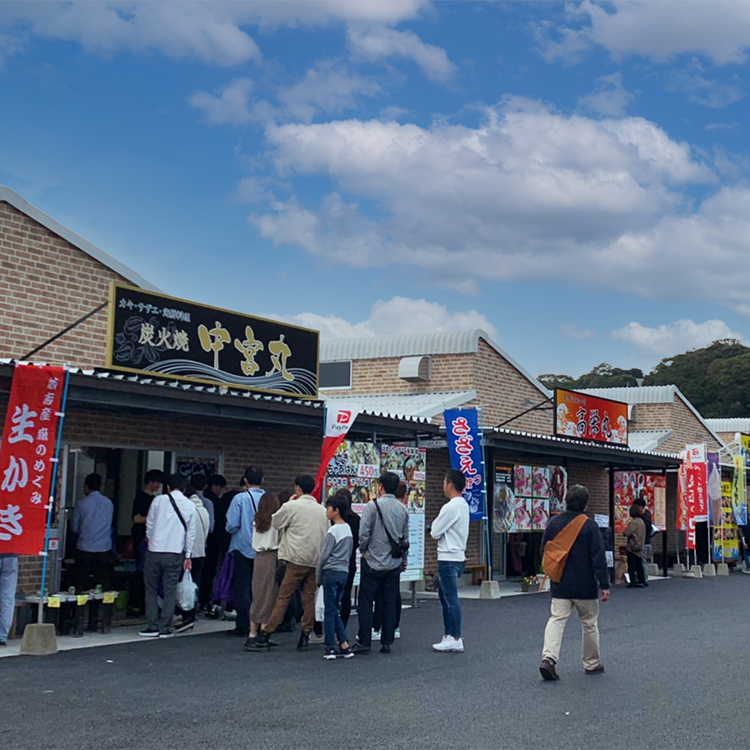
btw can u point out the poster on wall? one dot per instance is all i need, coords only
(584, 417)
(558, 488)
(504, 500)
(357, 466)
(631, 485)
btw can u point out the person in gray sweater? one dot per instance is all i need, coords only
(332, 573)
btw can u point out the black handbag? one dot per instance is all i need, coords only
(399, 548)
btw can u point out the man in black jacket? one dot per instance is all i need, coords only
(646, 517)
(585, 574)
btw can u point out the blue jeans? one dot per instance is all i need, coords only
(8, 582)
(448, 575)
(334, 583)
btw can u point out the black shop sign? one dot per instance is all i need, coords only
(152, 334)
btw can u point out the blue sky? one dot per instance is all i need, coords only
(571, 177)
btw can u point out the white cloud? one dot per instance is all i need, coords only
(719, 30)
(228, 105)
(573, 331)
(327, 87)
(722, 126)
(528, 194)
(398, 315)
(609, 98)
(179, 30)
(654, 344)
(211, 31)
(381, 43)
(702, 90)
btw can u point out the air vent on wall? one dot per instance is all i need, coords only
(415, 369)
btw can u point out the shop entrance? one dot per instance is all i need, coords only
(122, 471)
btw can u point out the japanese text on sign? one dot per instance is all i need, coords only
(27, 457)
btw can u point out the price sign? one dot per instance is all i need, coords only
(81, 599)
(109, 597)
(53, 602)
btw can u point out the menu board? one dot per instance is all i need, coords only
(357, 466)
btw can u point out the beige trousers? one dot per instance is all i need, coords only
(560, 611)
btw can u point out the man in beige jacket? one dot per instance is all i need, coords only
(304, 525)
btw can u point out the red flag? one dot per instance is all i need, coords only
(27, 457)
(340, 416)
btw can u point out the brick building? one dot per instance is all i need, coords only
(120, 425)
(423, 374)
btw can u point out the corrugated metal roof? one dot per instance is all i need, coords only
(374, 410)
(15, 200)
(645, 394)
(573, 441)
(730, 424)
(415, 344)
(416, 406)
(650, 394)
(647, 440)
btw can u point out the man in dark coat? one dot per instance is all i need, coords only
(585, 575)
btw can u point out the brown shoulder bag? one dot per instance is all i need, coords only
(556, 551)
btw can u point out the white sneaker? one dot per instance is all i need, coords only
(375, 635)
(449, 643)
(397, 633)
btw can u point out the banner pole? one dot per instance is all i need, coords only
(485, 508)
(45, 554)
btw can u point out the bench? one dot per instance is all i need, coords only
(478, 573)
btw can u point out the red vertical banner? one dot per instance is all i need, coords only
(697, 489)
(27, 456)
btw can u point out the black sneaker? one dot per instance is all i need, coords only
(3, 644)
(330, 654)
(259, 643)
(148, 633)
(548, 671)
(183, 627)
(386, 649)
(358, 648)
(345, 653)
(304, 641)
(169, 633)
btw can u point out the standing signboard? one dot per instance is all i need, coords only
(697, 489)
(584, 417)
(152, 334)
(27, 457)
(739, 491)
(465, 449)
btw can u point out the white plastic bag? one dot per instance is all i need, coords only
(320, 606)
(186, 592)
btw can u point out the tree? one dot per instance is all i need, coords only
(715, 379)
(602, 376)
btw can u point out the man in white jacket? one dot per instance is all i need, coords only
(170, 530)
(451, 529)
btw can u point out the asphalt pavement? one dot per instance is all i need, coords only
(676, 677)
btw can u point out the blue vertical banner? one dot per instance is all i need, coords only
(465, 448)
